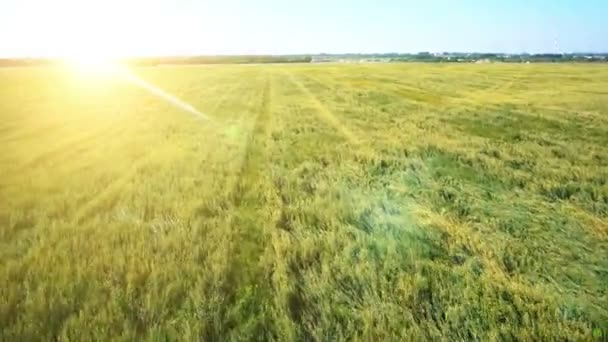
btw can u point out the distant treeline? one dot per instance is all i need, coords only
(152, 61)
(463, 57)
(505, 58)
(253, 59)
(14, 62)
(445, 57)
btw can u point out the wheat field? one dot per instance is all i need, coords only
(315, 202)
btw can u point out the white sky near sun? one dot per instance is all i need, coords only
(112, 28)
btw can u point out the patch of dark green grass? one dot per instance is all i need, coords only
(586, 195)
(454, 167)
(511, 125)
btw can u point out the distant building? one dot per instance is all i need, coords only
(320, 59)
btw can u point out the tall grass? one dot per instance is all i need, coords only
(335, 202)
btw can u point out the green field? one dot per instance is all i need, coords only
(319, 202)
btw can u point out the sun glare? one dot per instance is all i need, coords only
(92, 64)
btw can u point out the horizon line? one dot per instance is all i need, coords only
(314, 54)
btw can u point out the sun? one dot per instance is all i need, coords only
(91, 37)
(92, 63)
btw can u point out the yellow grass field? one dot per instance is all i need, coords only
(317, 202)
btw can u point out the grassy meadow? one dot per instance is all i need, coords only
(319, 202)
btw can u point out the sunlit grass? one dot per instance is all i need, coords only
(408, 202)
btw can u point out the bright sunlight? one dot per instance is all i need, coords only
(91, 33)
(92, 65)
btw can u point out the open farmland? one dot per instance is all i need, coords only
(328, 202)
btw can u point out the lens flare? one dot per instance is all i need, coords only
(134, 79)
(100, 67)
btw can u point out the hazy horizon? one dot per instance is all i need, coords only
(312, 54)
(34, 28)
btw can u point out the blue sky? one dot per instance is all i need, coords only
(153, 27)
